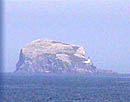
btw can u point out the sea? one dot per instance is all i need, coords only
(30, 87)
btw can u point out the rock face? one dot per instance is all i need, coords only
(49, 56)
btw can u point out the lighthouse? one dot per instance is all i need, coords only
(88, 61)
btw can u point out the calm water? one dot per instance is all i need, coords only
(64, 88)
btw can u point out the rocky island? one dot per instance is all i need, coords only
(50, 56)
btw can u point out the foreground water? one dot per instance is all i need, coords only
(64, 88)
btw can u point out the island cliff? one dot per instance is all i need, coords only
(50, 56)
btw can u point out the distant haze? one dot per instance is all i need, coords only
(102, 27)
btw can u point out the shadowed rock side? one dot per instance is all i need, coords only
(21, 61)
(53, 57)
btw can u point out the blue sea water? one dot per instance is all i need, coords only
(64, 88)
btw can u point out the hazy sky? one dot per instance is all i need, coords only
(102, 27)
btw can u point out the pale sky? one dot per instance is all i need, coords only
(102, 27)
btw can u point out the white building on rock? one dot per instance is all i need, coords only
(89, 61)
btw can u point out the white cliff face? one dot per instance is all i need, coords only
(80, 52)
(64, 58)
(49, 56)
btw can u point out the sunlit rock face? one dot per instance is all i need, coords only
(49, 56)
